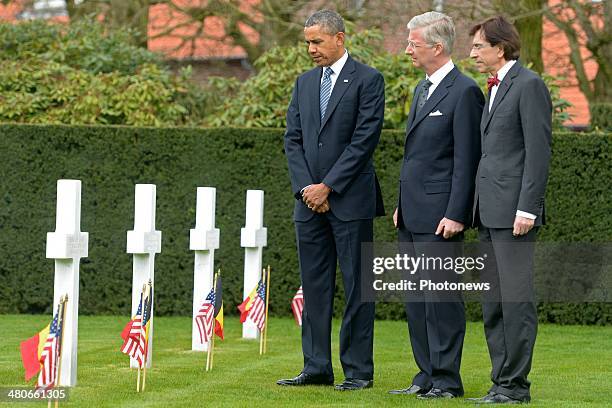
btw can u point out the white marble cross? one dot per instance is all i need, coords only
(253, 237)
(67, 245)
(144, 242)
(203, 239)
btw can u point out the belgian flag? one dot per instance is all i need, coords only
(219, 308)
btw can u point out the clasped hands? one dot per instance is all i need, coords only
(315, 197)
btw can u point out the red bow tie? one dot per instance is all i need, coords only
(492, 81)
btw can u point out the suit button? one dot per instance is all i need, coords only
(320, 145)
(484, 155)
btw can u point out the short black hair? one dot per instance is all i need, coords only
(330, 21)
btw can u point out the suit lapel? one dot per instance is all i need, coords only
(503, 89)
(440, 93)
(417, 91)
(345, 79)
(485, 113)
(313, 91)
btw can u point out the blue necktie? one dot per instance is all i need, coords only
(326, 87)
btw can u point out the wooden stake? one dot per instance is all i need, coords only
(144, 288)
(62, 316)
(211, 339)
(261, 334)
(212, 345)
(266, 321)
(146, 348)
(212, 354)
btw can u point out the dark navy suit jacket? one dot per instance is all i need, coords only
(338, 151)
(441, 155)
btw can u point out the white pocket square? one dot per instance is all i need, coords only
(436, 113)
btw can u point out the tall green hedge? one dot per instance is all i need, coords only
(110, 160)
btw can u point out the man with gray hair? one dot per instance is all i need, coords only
(333, 126)
(436, 190)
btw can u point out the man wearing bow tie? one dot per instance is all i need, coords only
(333, 126)
(509, 202)
(435, 198)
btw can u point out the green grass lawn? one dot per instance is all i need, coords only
(572, 366)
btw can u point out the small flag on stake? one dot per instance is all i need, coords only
(297, 306)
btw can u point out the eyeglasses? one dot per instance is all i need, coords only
(414, 45)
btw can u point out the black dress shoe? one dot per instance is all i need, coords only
(307, 379)
(496, 398)
(352, 384)
(480, 399)
(413, 389)
(436, 393)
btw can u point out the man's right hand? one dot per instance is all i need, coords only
(323, 208)
(395, 218)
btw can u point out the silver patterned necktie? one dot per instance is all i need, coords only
(326, 87)
(423, 95)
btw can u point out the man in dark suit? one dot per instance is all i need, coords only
(333, 126)
(435, 198)
(509, 202)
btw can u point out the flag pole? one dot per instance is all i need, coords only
(261, 332)
(266, 321)
(146, 347)
(61, 315)
(63, 301)
(212, 333)
(141, 311)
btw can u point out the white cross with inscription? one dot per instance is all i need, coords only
(67, 245)
(203, 239)
(143, 242)
(253, 237)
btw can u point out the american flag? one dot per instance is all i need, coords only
(257, 312)
(134, 333)
(297, 305)
(50, 354)
(204, 317)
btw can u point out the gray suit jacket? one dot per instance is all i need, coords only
(515, 139)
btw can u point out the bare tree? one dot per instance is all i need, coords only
(253, 25)
(587, 24)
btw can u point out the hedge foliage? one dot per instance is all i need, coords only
(262, 100)
(110, 160)
(83, 74)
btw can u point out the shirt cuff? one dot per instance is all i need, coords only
(526, 215)
(302, 190)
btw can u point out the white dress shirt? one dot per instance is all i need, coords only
(501, 74)
(336, 67)
(438, 76)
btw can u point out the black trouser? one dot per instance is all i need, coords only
(436, 327)
(323, 241)
(509, 311)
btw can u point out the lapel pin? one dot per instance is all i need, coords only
(346, 80)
